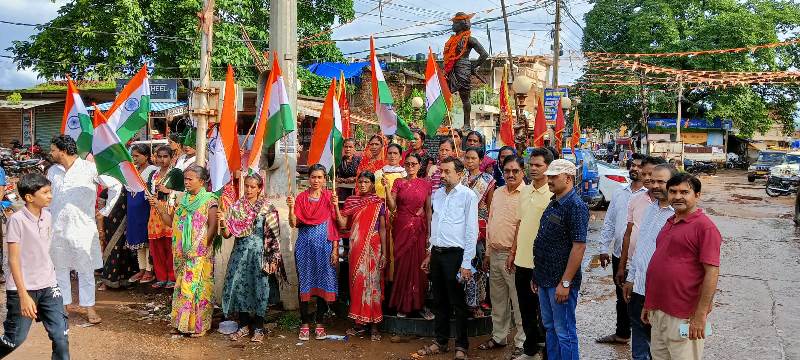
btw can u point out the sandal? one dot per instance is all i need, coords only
(258, 336)
(319, 333)
(304, 334)
(461, 354)
(197, 335)
(491, 344)
(147, 278)
(432, 349)
(427, 314)
(355, 332)
(239, 334)
(612, 339)
(375, 335)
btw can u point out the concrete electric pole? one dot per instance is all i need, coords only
(283, 41)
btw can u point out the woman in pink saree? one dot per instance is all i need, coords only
(411, 202)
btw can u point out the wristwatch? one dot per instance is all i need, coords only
(565, 283)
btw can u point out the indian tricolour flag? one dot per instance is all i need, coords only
(223, 146)
(76, 122)
(128, 114)
(390, 123)
(436, 96)
(110, 156)
(326, 140)
(275, 116)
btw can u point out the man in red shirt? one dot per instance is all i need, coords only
(682, 275)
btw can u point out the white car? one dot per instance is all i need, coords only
(612, 178)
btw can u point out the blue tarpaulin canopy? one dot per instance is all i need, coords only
(333, 69)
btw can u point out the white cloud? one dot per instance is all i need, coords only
(11, 78)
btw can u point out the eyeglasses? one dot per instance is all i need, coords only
(512, 171)
(408, 164)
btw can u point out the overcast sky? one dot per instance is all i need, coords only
(398, 17)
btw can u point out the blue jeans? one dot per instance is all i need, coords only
(49, 310)
(559, 323)
(640, 332)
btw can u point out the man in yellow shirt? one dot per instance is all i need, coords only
(532, 203)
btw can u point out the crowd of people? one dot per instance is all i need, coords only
(435, 236)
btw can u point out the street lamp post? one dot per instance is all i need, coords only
(416, 104)
(521, 86)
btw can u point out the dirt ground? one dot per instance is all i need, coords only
(756, 313)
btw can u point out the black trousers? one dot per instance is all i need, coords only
(623, 320)
(448, 295)
(50, 311)
(530, 311)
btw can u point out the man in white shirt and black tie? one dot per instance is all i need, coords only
(454, 233)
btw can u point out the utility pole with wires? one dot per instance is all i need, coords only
(200, 102)
(556, 43)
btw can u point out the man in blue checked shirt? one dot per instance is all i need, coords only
(558, 251)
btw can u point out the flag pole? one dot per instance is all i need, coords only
(333, 156)
(248, 134)
(289, 180)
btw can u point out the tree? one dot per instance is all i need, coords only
(657, 26)
(102, 39)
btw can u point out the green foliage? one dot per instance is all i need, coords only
(312, 84)
(408, 113)
(485, 95)
(112, 38)
(652, 26)
(288, 321)
(82, 85)
(14, 98)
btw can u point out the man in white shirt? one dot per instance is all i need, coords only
(612, 233)
(76, 243)
(454, 234)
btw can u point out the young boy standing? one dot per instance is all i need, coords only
(32, 292)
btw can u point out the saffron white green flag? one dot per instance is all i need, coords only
(390, 123)
(110, 156)
(129, 112)
(76, 122)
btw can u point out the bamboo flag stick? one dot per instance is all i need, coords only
(452, 133)
(248, 133)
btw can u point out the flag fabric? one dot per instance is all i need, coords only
(576, 132)
(540, 124)
(76, 122)
(326, 139)
(130, 111)
(435, 102)
(223, 146)
(344, 108)
(560, 126)
(275, 116)
(506, 120)
(390, 123)
(111, 157)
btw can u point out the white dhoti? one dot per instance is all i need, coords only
(76, 241)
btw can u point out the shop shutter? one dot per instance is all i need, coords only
(47, 124)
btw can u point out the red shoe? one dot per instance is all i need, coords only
(304, 334)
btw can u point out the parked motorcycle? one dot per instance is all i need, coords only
(16, 168)
(698, 167)
(782, 185)
(737, 164)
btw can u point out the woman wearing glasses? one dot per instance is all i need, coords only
(410, 200)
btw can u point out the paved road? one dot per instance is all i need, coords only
(756, 310)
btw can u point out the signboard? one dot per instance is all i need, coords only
(161, 90)
(551, 97)
(27, 127)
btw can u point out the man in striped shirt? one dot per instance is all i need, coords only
(653, 220)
